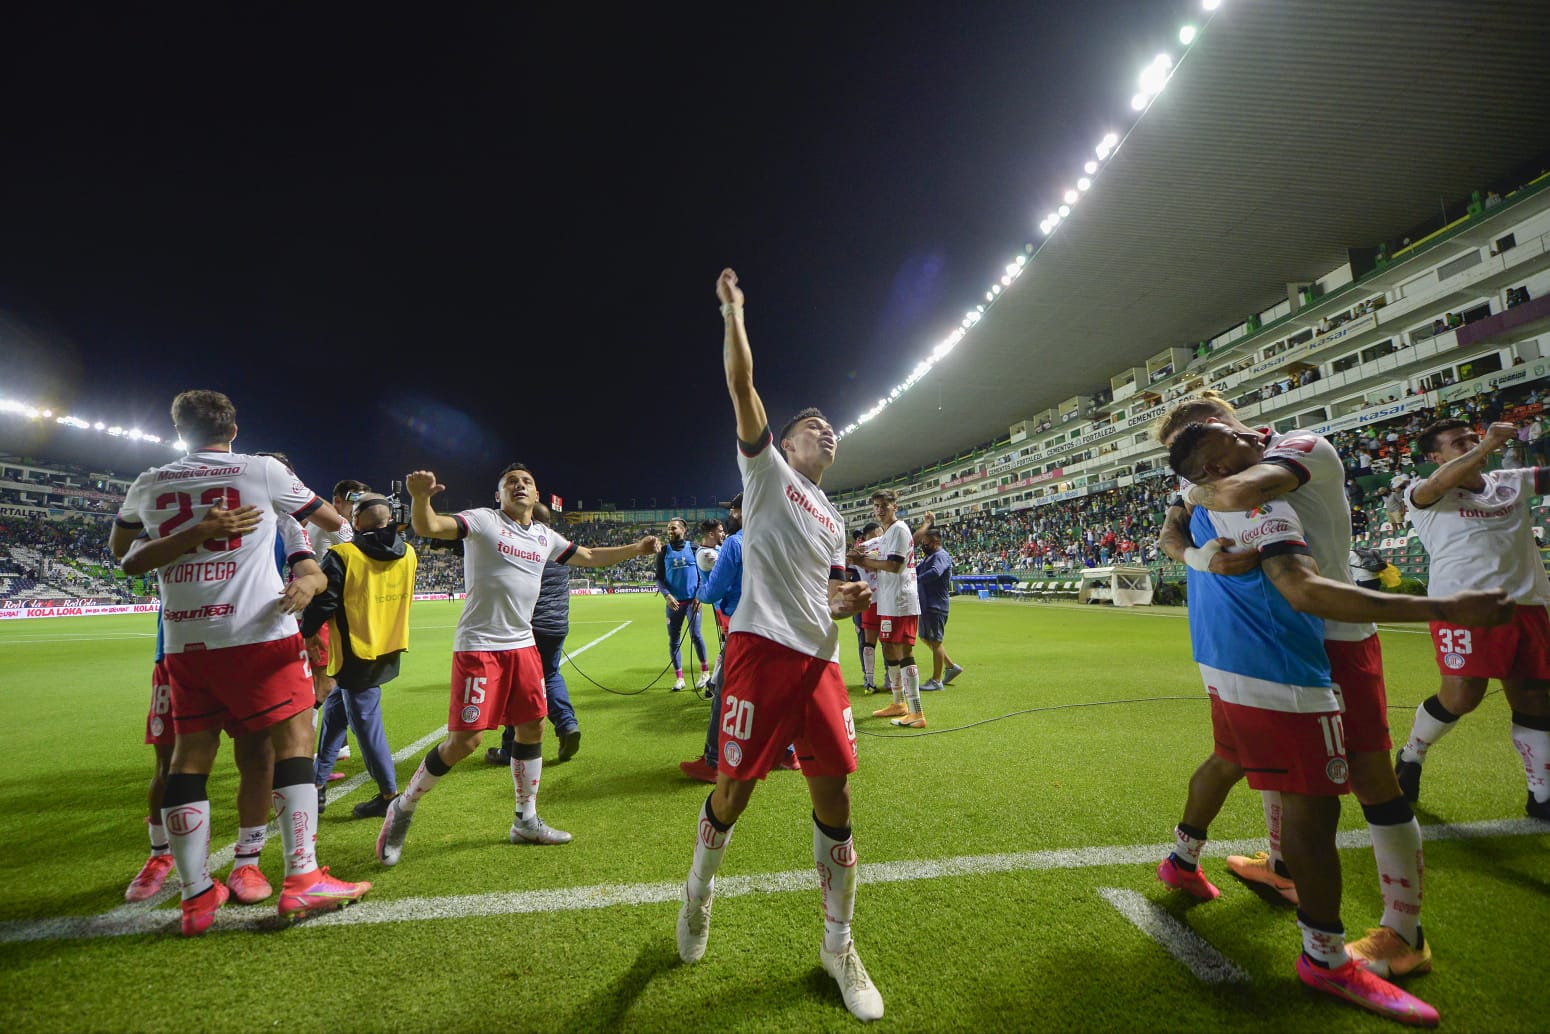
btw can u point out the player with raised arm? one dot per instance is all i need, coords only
(898, 608)
(497, 673)
(1306, 470)
(781, 671)
(234, 658)
(1276, 714)
(1476, 526)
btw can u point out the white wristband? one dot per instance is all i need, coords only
(1199, 557)
(730, 308)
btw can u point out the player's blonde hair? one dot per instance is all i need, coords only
(1192, 410)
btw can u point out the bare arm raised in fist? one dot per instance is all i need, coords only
(422, 485)
(738, 359)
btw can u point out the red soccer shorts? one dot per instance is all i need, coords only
(772, 696)
(900, 630)
(1519, 649)
(723, 622)
(491, 688)
(158, 721)
(317, 650)
(1282, 750)
(870, 618)
(1357, 668)
(240, 689)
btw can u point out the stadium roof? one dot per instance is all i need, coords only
(1290, 132)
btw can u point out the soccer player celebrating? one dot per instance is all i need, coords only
(1251, 468)
(898, 608)
(781, 671)
(1475, 525)
(867, 623)
(234, 658)
(678, 580)
(1276, 715)
(497, 673)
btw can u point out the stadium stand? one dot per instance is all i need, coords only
(1452, 325)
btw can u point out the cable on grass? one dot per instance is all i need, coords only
(693, 660)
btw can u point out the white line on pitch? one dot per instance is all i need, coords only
(567, 899)
(335, 794)
(1209, 965)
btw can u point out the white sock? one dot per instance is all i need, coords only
(869, 664)
(910, 677)
(891, 673)
(1326, 947)
(188, 826)
(710, 845)
(1271, 799)
(1398, 851)
(158, 837)
(296, 809)
(1534, 747)
(420, 784)
(250, 843)
(1426, 730)
(837, 879)
(525, 773)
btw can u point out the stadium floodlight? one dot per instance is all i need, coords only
(1064, 210)
(116, 431)
(99, 426)
(135, 433)
(1021, 260)
(1052, 218)
(1084, 183)
(1138, 102)
(1090, 168)
(1006, 281)
(1152, 79)
(991, 294)
(48, 412)
(1211, 5)
(1187, 35)
(1071, 197)
(1110, 140)
(180, 445)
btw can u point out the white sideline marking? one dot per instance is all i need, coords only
(220, 858)
(120, 923)
(1209, 965)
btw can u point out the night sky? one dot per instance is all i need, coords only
(492, 232)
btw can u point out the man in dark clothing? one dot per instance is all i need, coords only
(366, 606)
(551, 624)
(934, 577)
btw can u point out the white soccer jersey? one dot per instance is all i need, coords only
(1324, 512)
(1485, 539)
(226, 592)
(323, 541)
(897, 594)
(793, 543)
(295, 540)
(503, 567)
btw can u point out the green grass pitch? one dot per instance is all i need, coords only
(987, 848)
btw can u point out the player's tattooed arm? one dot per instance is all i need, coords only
(1297, 578)
(1176, 541)
(1245, 490)
(737, 356)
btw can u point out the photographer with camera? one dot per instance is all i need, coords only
(366, 609)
